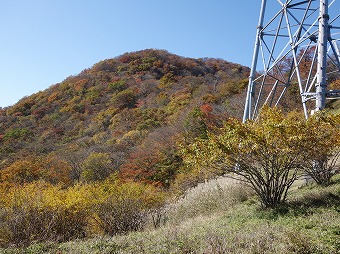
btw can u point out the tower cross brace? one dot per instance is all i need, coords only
(296, 50)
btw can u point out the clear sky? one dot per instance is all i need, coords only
(44, 41)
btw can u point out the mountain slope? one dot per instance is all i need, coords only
(74, 160)
(133, 109)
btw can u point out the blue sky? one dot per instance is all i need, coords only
(43, 41)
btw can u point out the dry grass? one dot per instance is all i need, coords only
(214, 196)
(231, 223)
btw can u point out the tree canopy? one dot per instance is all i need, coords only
(270, 153)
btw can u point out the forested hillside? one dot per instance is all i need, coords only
(117, 147)
(128, 113)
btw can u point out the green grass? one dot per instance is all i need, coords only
(221, 217)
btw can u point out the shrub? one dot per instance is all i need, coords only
(125, 99)
(114, 216)
(118, 86)
(267, 154)
(33, 168)
(123, 207)
(14, 134)
(97, 166)
(41, 212)
(324, 133)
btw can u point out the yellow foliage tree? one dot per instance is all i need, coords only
(323, 132)
(269, 153)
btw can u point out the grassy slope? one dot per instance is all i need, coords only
(222, 217)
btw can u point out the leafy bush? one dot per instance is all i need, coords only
(323, 162)
(125, 99)
(96, 167)
(268, 154)
(41, 212)
(118, 86)
(48, 168)
(16, 134)
(122, 207)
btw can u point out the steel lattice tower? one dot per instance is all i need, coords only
(296, 49)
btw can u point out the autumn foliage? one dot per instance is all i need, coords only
(40, 211)
(272, 152)
(112, 109)
(99, 151)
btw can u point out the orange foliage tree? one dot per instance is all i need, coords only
(50, 169)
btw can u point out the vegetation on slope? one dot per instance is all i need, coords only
(100, 154)
(120, 112)
(67, 152)
(40, 211)
(222, 216)
(272, 152)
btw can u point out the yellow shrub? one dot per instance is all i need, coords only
(40, 211)
(122, 207)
